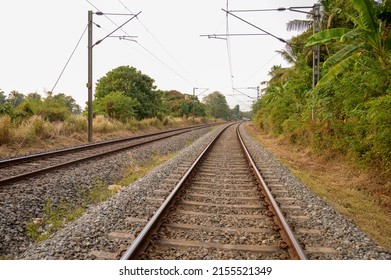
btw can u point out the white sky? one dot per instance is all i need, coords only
(38, 37)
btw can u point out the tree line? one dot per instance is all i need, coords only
(348, 112)
(124, 94)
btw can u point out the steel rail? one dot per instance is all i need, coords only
(72, 162)
(141, 241)
(285, 226)
(13, 161)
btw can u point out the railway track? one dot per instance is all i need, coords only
(220, 209)
(17, 169)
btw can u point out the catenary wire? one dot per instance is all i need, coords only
(161, 45)
(69, 59)
(144, 48)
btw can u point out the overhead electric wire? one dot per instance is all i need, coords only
(244, 94)
(257, 27)
(161, 45)
(165, 64)
(259, 69)
(119, 27)
(69, 59)
(144, 48)
(228, 43)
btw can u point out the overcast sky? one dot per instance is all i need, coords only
(39, 36)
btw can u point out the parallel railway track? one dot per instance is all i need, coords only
(220, 209)
(16, 169)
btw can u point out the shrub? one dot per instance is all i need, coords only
(102, 124)
(34, 128)
(5, 129)
(54, 114)
(75, 124)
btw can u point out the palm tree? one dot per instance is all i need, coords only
(370, 35)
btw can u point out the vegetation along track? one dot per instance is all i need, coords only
(16, 169)
(220, 209)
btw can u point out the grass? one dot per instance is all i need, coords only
(56, 217)
(35, 134)
(136, 170)
(352, 191)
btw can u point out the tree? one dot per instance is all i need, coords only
(370, 35)
(116, 105)
(235, 113)
(15, 98)
(134, 84)
(2, 97)
(216, 105)
(68, 102)
(179, 104)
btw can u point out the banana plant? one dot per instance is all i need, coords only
(369, 35)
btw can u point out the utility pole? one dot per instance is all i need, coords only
(89, 83)
(194, 96)
(315, 53)
(193, 103)
(90, 47)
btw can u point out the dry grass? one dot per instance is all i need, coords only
(35, 134)
(137, 170)
(358, 194)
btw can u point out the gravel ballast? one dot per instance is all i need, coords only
(100, 232)
(27, 201)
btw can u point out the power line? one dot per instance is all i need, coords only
(119, 27)
(253, 25)
(69, 59)
(228, 43)
(144, 48)
(165, 64)
(242, 93)
(161, 45)
(259, 69)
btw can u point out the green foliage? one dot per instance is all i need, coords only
(369, 35)
(181, 105)
(133, 84)
(116, 105)
(216, 105)
(349, 110)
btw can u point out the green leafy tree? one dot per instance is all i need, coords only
(116, 105)
(134, 84)
(216, 105)
(67, 101)
(370, 35)
(2, 97)
(15, 98)
(179, 104)
(235, 113)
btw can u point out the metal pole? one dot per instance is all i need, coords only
(89, 83)
(193, 102)
(315, 53)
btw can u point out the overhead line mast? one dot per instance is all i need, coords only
(91, 45)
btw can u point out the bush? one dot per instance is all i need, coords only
(54, 114)
(5, 129)
(103, 125)
(34, 128)
(117, 106)
(75, 124)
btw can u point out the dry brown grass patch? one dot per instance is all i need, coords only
(358, 194)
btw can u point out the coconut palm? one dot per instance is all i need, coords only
(370, 35)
